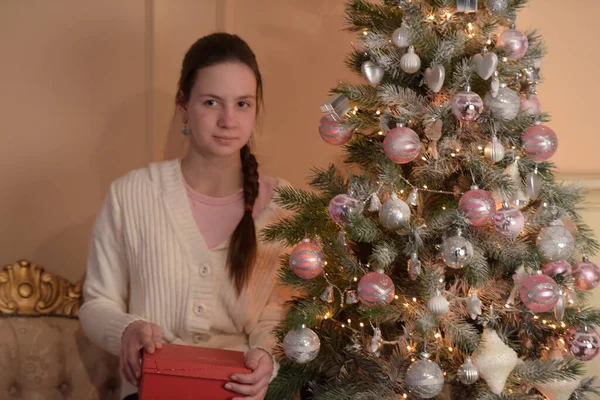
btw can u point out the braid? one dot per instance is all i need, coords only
(250, 171)
(242, 249)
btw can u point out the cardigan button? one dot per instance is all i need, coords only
(205, 270)
(198, 309)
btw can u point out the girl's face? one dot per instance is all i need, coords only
(221, 110)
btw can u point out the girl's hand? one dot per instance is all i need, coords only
(255, 384)
(137, 336)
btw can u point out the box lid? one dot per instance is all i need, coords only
(195, 362)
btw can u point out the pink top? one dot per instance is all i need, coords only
(217, 217)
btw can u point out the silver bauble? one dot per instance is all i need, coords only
(457, 251)
(394, 213)
(401, 37)
(468, 372)
(506, 104)
(301, 345)
(555, 243)
(410, 62)
(494, 151)
(438, 305)
(424, 378)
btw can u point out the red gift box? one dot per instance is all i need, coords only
(189, 372)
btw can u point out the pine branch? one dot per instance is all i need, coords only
(289, 382)
(328, 181)
(584, 317)
(297, 199)
(464, 335)
(587, 386)
(362, 14)
(540, 371)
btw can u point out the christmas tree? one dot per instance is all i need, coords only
(446, 261)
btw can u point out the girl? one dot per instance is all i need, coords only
(174, 254)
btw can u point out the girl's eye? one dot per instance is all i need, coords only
(243, 104)
(210, 102)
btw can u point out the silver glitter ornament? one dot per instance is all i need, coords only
(555, 243)
(467, 373)
(301, 345)
(497, 6)
(473, 305)
(457, 251)
(394, 213)
(506, 104)
(424, 378)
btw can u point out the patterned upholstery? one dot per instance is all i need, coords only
(44, 354)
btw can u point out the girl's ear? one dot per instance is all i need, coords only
(181, 106)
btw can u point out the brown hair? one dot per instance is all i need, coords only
(214, 49)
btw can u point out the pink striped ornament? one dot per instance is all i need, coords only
(306, 260)
(478, 205)
(401, 145)
(539, 293)
(539, 143)
(333, 132)
(376, 289)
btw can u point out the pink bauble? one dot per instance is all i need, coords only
(333, 132)
(584, 344)
(509, 222)
(467, 106)
(553, 268)
(514, 42)
(340, 206)
(539, 143)
(401, 145)
(478, 206)
(586, 275)
(307, 260)
(376, 289)
(539, 293)
(531, 105)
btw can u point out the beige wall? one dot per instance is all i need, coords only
(88, 87)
